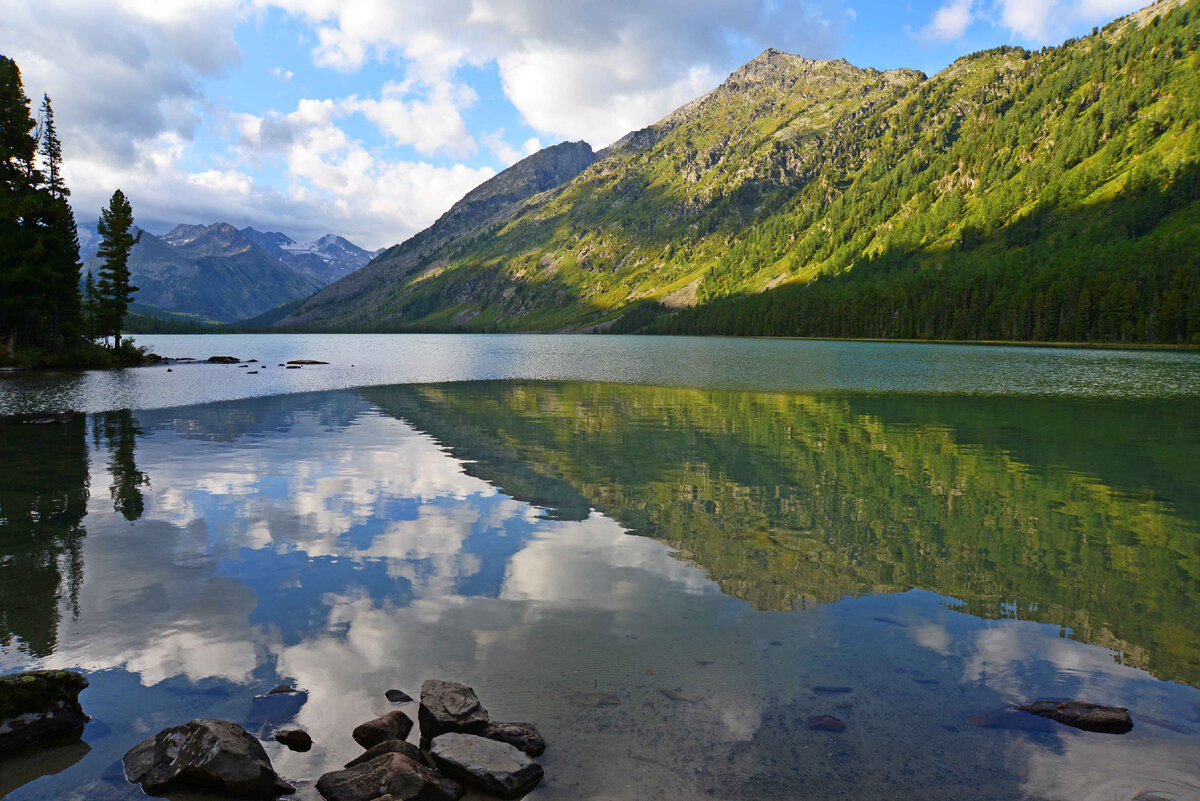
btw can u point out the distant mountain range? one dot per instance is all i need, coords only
(1015, 195)
(219, 273)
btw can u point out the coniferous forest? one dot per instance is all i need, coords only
(47, 316)
(1049, 195)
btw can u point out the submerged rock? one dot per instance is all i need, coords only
(680, 695)
(389, 747)
(826, 689)
(394, 774)
(294, 739)
(490, 765)
(1011, 719)
(213, 755)
(392, 726)
(40, 707)
(448, 706)
(826, 723)
(522, 736)
(1081, 715)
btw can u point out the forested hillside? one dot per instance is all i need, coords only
(1018, 195)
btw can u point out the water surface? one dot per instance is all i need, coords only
(669, 580)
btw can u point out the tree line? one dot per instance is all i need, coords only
(47, 315)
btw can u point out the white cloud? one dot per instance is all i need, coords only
(591, 70)
(1046, 21)
(950, 21)
(506, 153)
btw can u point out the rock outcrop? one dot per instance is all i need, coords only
(213, 755)
(492, 766)
(40, 707)
(392, 726)
(448, 706)
(522, 736)
(395, 774)
(1081, 715)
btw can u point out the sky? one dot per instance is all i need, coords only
(369, 118)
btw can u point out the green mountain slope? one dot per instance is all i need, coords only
(1015, 195)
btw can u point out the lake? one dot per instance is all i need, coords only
(672, 555)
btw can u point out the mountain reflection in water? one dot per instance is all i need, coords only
(940, 555)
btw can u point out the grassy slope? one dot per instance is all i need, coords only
(794, 170)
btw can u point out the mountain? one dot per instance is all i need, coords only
(213, 272)
(325, 260)
(356, 299)
(217, 273)
(1014, 195)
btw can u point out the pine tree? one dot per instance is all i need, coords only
(116, 242)
(60, 237)
(19, 283)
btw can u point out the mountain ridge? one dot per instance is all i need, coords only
(801, 194)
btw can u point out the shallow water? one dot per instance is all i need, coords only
(357, 360)
(717, 559)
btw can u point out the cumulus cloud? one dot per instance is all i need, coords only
(592, 70)
(140, 104)
(1045, 21)
(950, 21)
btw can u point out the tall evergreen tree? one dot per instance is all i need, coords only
(115, 244)
(19, 283)
(59, 236)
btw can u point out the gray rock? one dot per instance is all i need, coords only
(294, 739)
(522, 736)
(282, 689)
(1081, 715)
(398, 697)
(492, 766)
(392, 726)
(392, 774)
(223, 359)
(40, 707)
(213, 755)
(448, 706)
(389, 747)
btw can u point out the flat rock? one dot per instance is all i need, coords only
(398, 697)
(393, 774)
(212, 755)
(282, 689)
(492, 766)
(1081, 715)
(392, 726)
(223, 360)
(448, 706)
(294, 739)
(40, 707)
(305, 361)
(388, 747)
(522, 736)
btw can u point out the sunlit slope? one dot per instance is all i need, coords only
(1048, 195)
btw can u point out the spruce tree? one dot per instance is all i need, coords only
(59, 236)
(115, 244)
(20, 284)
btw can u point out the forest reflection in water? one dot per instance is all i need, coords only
(355, 539)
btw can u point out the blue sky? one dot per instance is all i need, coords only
(369, 118)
